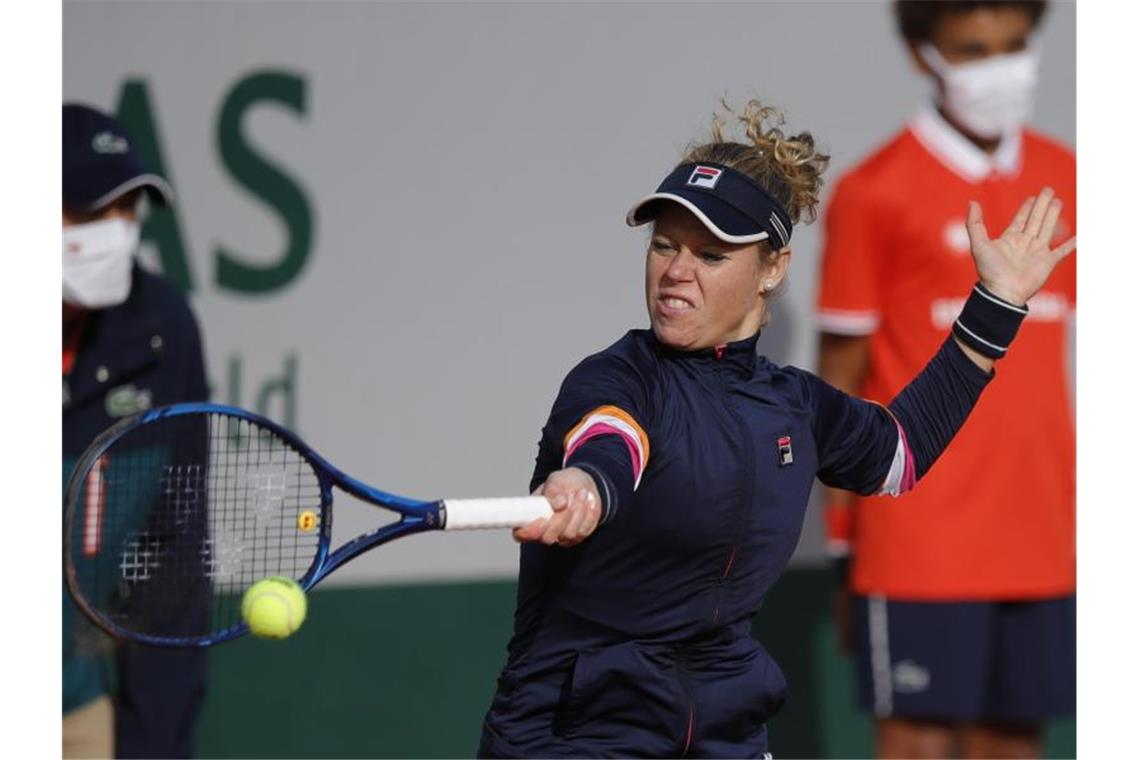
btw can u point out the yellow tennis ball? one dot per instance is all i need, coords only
(274, 607)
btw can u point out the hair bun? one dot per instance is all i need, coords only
(788, 167)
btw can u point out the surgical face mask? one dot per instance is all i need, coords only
(97, 260)
(988, 97)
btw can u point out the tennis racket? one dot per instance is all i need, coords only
(171, 514)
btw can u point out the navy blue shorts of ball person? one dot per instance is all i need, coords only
(679, 462)
(1011, 662)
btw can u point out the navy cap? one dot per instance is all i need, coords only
(101, 163)
(730, 203)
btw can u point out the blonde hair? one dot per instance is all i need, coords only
(790, 168)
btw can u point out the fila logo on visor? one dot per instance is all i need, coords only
(704, 176)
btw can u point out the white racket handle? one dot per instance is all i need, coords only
(480, 514)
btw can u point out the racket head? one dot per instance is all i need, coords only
(171, 514)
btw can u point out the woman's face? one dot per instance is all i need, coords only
(701, 291)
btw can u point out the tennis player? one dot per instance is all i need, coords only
(965, 636)
(679, 464)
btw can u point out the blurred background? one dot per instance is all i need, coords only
(400, 225)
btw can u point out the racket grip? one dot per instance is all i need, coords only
(479, 514)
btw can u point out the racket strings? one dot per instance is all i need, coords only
(181, 515)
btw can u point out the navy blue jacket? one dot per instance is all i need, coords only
(143, 353)
(636, 642)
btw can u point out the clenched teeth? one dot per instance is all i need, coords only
(677, 303)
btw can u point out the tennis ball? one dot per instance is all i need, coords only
(274, 607)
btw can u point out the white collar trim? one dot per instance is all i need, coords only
(960, 155)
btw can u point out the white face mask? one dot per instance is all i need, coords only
(988, 97)
(97, 260)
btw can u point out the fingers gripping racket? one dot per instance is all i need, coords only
(171, 514)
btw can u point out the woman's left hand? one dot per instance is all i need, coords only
(1017, 264)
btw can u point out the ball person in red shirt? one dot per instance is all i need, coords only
(958, 600)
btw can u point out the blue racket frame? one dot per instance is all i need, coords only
(415, 516)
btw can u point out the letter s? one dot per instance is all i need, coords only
(264, 180)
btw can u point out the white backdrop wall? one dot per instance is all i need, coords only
(464, 169)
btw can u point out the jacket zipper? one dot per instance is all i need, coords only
(746, 497)
(683, 669)
(688, 732)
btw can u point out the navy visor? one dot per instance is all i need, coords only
(733, 207)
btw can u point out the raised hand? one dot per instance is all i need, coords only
(573, 496)
(1017, 264)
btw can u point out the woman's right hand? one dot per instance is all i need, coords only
(577, 507)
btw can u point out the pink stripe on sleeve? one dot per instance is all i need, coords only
(908, 480)
(601, 428)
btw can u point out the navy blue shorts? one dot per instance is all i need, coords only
(967, 661)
